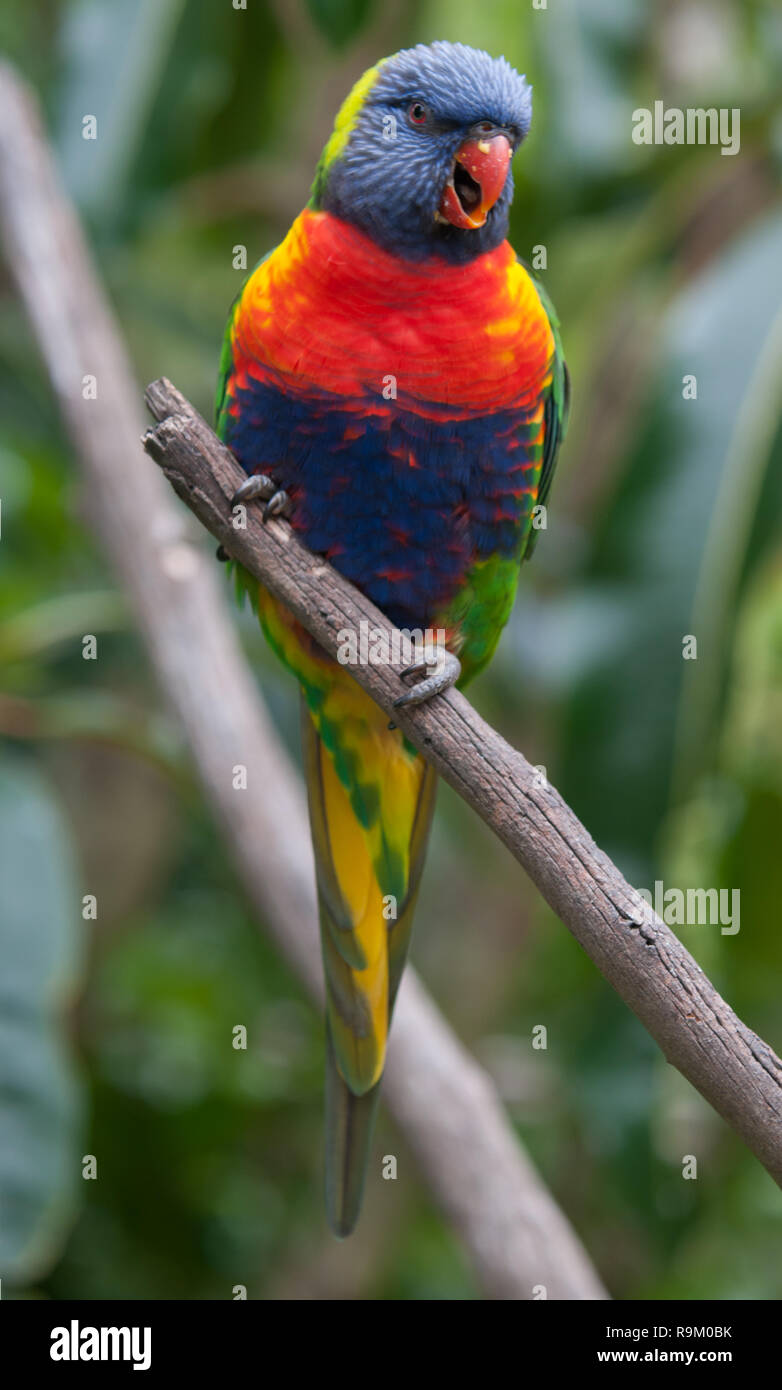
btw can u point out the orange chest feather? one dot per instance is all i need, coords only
(328, 311)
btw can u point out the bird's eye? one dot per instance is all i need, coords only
(484, 127)
(417, 113)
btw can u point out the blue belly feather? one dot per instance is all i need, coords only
(404, 533)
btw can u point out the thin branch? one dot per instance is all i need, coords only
(639, 955)
(512, 1229)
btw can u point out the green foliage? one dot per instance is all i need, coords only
(662, 262)
(340, 20)
(40, 1107)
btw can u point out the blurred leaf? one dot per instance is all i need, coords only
(591, 50)
(40, 1104)
(624, 626)
(729, 831)
(64, 618)
(115, 52)
(339, 20)
(745, 452)
(752, 737)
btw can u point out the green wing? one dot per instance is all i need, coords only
(555, 411)
(224, 371)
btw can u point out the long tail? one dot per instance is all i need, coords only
(371, 800)
(350, 1122)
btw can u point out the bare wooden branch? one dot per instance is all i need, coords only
(639, 955)
(511, 1228)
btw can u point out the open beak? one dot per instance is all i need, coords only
(479, 172)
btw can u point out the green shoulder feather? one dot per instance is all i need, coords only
(555, 412)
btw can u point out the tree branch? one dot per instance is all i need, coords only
(512, 1229)
(639, 955)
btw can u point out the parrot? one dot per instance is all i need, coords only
(392, 382)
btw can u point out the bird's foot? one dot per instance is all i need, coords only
(257, 485)
(279, 504)
(260, 485)
(444, 671)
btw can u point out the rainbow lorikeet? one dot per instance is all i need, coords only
(392, 379)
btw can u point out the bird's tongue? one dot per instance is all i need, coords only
(480, 171)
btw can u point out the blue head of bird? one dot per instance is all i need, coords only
(420, 157)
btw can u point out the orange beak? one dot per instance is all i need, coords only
(479, 174)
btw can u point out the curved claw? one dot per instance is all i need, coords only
(257, 485)
(424, 663)
(279, 504)
(445, 673)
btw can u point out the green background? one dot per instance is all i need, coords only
(663, 261)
